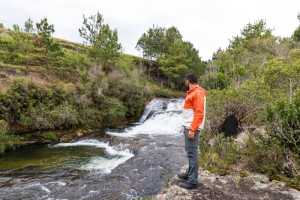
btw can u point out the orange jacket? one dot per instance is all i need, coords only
(194, 109)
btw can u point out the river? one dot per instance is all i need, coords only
(136, 161)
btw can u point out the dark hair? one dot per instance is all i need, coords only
(192, 78)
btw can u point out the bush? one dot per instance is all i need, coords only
(162, 93)
(258, 155)
(247, 102)
(7, 140)
(220, 156)
(284, 122)
(50, 136)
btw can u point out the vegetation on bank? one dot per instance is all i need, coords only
(52, 84)
(257, 78)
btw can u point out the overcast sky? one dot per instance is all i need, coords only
(208, 24)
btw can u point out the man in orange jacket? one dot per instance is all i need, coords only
(193, 122)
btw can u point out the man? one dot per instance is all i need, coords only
(193, 122)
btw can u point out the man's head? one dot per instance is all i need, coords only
(191, 79)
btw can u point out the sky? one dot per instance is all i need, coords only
(208, 24)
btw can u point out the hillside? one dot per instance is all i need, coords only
(75, 92)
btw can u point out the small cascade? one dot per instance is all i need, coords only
(160, 117)
(104, 163)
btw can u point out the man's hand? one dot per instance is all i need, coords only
(191, 135)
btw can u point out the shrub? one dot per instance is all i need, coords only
(247, 102)
(7, 140)
(50, 136)
(220, 156)
(284, 122)
(258, 155)
(162, 93)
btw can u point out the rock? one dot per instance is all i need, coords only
(177, 193)
(79, 134)
(230, 187)
(261, 132)
(242, 139)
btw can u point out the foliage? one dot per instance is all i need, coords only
(283, 73)
(104, 41)
(296, 34)
(258, 154)
(245, 57)
(23, 39)
(221, 156)
(152, 43)
(1, 25)
(174, 57)
(49, 136)
(284, 122)
(246, 102)
(45, 30)
(7, 140)
(251, 31)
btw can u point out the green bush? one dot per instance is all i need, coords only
(219, 156)
(162, 93)
(50, 136)
(284, 122)
(7, 140)
(258, 155)
(247, 102)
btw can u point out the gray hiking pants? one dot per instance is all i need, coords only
(191, 148)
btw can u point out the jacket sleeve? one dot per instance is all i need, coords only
(198, 106)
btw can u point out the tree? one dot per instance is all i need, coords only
(104, 41)
(296, 34)
(24, 38)
(29, 30)
(45, 30)
(1, 25)
(156, 42)
(251, 31)
(170, 53)
(175, 63)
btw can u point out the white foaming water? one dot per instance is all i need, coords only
(162, 122)
(101, 163)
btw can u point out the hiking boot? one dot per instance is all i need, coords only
(187, 185)
(182, 176)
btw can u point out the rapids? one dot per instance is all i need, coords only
(128, 163)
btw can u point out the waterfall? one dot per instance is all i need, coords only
(160, 117)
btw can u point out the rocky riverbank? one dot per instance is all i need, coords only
(234, 186)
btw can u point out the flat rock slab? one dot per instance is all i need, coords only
(231, 187)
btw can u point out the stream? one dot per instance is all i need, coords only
(136, 161)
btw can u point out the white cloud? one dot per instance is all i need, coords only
(208, 24)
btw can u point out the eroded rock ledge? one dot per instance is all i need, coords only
(213, 186)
